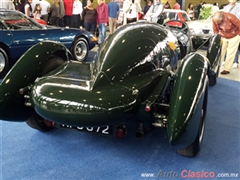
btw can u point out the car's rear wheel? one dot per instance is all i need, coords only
(36, 121)
(195, 147)
(39, 123)
(3, 62)
(80, 49)
(51, 64)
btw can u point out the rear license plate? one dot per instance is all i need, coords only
(101, 129)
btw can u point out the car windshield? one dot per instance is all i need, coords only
(186, 17)
(176, 16)
(13, 20)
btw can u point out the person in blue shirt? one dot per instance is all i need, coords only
(146, 8)
(113, 11)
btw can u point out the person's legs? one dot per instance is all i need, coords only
(174, 60)
(102, 32)
(231, 52)
(61, 22)
(131, 20)
(87, 26)
(100, 39)
(114, 21)
(57, 21)
(235, 64)
(92, 27)
(71, 21)
(75, 21)
(67, 21)
(110, 21)
(223, 50)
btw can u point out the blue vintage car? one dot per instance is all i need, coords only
(18, 33)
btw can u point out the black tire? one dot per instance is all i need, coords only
(212, 76)
(36, 121)
(39, 123)
(4, 63)
(51, 64)
(194, 148)
(80, 49)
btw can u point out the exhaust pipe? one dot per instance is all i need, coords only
(143, 131)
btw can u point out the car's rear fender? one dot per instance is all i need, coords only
(22, 74)
(186, 100)
(214, 52)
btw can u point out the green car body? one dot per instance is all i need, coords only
(123, 82)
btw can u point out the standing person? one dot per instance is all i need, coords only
(68, 6)
(62, 13)
(77, 11)
(7, 4)
(55, 13)
(45, 5)
(28, 8)
(167, 5)
(147, 7)
(89, 16)
(33, 4)
(190, 11)
(176, 5)
(228, 26)
(131, 9)
(20, 6)
(233, 8)
(37, 11)
(215, 8)
(113, 11)
(153, 14)
(102, 19)
(199, 7)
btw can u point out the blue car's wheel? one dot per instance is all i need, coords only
(80, 49)
(3, 62)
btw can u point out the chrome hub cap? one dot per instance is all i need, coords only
(2, 62)
(80, 51)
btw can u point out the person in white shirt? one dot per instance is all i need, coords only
(33, 4)
(7, 4)
(77, 11)
(131, 8)
(28, 8)
(37, 11)
(190, 11)
(45, 5)
(154, 12)
(215, 8)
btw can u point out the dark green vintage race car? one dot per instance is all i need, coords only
(144, 72)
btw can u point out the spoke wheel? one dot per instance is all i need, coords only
(3, 62)
(80, 49)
